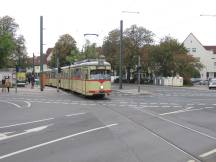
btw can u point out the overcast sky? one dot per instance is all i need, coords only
(176, 18)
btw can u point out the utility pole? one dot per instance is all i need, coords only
(41, 53)
(121, 47)
(33, 66)
(58, 72)
(139, 68)
(120, 55)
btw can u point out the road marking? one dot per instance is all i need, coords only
(37, 129)
(165, 106)
(56, 140)
(172, 112)
(69, 115)
(11, 103)
(36, 121)
(189, 109)
(163, 103)
(180, 125)
(178, 111)
(208, 153)
(190, 104)
(28, 104)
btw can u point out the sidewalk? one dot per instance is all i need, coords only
(130, 89)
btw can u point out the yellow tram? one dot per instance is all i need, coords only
(87, 77)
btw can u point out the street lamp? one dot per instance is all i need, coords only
(121, 50)
(207, 15)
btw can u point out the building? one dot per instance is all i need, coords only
(46, 59)
(49, 54)
(205, 54)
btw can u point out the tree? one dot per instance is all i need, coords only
(187, 66)
(63, 48)
(12, 47)
(170, 58)
(7, 46)
(110, 48)
(73, 57)
(8, 25)
(135, 38)
(20, 53)
(90, 50)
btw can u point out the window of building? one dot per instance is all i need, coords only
(188, 49)
(193, 49)
(215, 64)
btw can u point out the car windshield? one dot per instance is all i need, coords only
(100, 74)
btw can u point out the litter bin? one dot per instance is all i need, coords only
(37, 82)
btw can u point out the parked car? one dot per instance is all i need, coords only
(212, 83)
(196, 81)
(203, 82)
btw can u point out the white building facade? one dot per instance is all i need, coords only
(206, 55)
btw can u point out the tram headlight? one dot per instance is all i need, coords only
(101, 87)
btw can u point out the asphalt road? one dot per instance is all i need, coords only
(166, 124)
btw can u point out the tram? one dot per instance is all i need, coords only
(88, 77)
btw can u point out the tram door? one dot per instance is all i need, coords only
(84, 78)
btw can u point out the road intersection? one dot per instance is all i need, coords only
(163, 124)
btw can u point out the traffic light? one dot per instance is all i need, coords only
(59, 69)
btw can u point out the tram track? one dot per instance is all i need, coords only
(164, 139)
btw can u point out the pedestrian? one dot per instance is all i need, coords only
(8, 84)
(3, 84)
(32, 81)
(29, 79)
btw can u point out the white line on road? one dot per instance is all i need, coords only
(37, 129)
(28, 104)
(36, 121)
(54, 141)
(189, 109)
(208, 153)
(11, 103)
(177, 124)
(69, 115)
(173, 112)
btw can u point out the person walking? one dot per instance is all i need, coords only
(8, 84)
(3, 84)
(32, 81)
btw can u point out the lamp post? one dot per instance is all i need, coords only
(58, 71)
(121, 50)
(120, 55)
(41, 54)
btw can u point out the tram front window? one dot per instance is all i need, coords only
(100, 74)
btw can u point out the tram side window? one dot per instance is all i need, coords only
(100, 74)
(77, 73)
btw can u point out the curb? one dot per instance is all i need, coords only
(131, 93)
